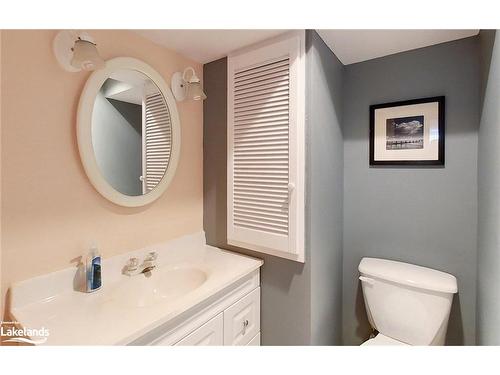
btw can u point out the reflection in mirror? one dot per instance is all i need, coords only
(131, 132)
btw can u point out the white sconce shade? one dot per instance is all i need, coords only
(76, 51)
(85, 56)
(183, 88)
(195, 91)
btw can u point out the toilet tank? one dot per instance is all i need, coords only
(406, 302)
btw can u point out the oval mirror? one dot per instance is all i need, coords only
(128, 132)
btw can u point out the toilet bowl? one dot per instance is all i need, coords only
(405, 303)
(382, 340)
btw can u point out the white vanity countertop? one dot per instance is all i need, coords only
(119, 313)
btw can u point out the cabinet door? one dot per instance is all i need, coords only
(209, 333)
(255, 341)
(242, 320)
(265, 147)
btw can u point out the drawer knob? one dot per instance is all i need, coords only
(245, 325)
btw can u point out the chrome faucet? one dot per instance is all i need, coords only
(133, 268)
(149, 263)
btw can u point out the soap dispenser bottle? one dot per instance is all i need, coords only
(93, 271)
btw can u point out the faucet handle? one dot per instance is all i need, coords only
(132, 264)
(153, 255)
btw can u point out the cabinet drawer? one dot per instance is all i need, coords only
(209, 333)
(242, 319)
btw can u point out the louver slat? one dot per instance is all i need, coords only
(260, 166)
(158, 140)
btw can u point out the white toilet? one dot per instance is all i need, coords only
(406, 304)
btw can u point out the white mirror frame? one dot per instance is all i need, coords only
(84, 132)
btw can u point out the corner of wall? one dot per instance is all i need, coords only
(324, 190)
(291, 295)
(488, 279)
(486, 42)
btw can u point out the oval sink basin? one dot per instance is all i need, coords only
(161, 285)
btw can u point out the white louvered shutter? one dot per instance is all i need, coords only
(157, 140)
(266, 148)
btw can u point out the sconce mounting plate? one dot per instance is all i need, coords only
(179, 86)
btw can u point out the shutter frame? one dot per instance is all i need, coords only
(257, 116)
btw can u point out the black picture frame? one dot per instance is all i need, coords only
(441, 131)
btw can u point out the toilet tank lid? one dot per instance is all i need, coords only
(409, 274)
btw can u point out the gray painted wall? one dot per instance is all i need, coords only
(325, 163)
(297, 309)
(426, 216)
(488, 301)
(117, 142)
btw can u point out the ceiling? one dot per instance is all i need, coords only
(350, 46)
(207, 45)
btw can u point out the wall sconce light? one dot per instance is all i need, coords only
(183, 87)
(76, 51)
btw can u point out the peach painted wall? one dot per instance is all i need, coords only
(50, 212)
(1, 299)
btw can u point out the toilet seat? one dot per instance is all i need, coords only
(382, 340)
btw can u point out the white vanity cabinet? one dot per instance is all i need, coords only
(239, 324)
(242, 320)
(197, 295)
(231, 317)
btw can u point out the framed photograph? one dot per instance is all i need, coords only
(410, 132)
